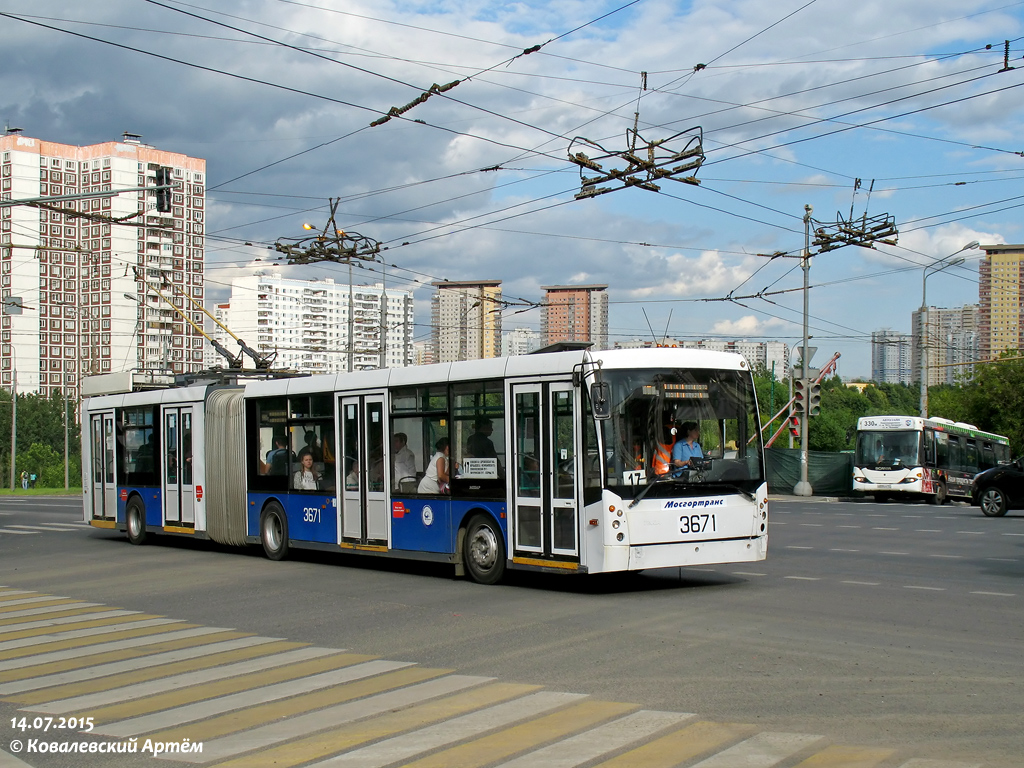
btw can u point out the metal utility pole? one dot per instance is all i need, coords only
(351, 318)
(803, 487)
(14, 412)
(383, 314)
(67, 469)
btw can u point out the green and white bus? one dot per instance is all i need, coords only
(934, 458)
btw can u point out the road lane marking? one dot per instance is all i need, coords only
(592, 744)
(884, 529)
(929, 589)
(928, 530)
(919, 763)
(208, 646)
(802, 578)
(894, 553)
(841, 756)
(346, 737)
(972, 533)
(950, 557)
(680, 746)
(863, 583)
(996, 594)
(761, 751)
(207, 707)
(239, 671)
(432, 737)
(844, 550)
(849, 526)
(18, 533)
(748, 573)
(796, 547)
(812, 525)
(37, 528)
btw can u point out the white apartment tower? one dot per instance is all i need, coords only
(89, 290)
(891, 354)
(306, 323)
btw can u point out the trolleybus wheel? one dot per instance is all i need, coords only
(274, 532)
(483, 552)
(993, 502)
(940, 494)
(135, 518)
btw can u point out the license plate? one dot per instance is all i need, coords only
(885, 487)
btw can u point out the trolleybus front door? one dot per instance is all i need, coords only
(104, 488)
(178, 483)
(546, 510)
(364, 506)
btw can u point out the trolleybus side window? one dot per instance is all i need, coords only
(971, 456)
(478, 429)
(138, 444)
(955, 457)
(421, 415)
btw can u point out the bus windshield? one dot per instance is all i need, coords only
(888, 448)
(647, 405)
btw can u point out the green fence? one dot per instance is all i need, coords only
(830, 474)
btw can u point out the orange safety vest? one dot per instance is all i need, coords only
(663, 458)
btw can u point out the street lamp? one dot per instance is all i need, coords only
(931, 269)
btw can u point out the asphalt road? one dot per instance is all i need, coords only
(896, 626)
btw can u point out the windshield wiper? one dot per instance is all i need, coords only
(639, 496)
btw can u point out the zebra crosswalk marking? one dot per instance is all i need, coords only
(679, 746)
(210, 665)
(917, 762)
(48, 527)
(93, 619)
(840, 756)
(17, 533)
(528, 735)
(763, 750)
(86, 644)
(50, 611)
(205, 707)
(6, 592)
(304, 725)
(326, 743)
(5, 603)
(143, 647)
(74, 634)
(7, 760)
(35, 605)
(243, 718)
(288, 664)
(600, 741)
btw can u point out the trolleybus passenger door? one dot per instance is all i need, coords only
(178, 482)
(545, 509)
(104, 487)
(364, 470)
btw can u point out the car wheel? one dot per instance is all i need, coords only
(274, 532)
(135, 518)
(993, 502)
(941, 495)
(483, 551)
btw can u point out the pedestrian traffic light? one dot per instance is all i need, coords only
(794, 426)
(799, 396)
(814, 401)
(163, 191)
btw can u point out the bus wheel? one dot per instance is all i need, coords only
(993, 502)
(274, 532)
(135, 517)
(483, 553)
(940, 494)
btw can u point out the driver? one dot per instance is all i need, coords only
(687, 448)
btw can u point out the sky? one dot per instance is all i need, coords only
(900, 110)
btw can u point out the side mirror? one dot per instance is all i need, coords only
(600, 398)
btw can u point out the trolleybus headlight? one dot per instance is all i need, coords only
(618, 512)
(859, 479)
(619, 537)
(615, 523)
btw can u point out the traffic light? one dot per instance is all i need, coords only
(799, 397)
(814, 401)
(163, 196)
(794, 426)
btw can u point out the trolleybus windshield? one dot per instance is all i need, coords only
(647, 405)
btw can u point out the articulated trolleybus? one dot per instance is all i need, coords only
(935, 457)
(550, 462)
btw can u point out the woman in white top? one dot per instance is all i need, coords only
(306, 479)
(437, 470)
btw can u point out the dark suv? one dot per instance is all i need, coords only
(1000, 488)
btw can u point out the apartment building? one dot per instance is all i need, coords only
(952, 338)
(101, 284)
(305, 323)
(1000, 326)
(891, 358)
(519, 341)
(575, 313)
(465, 320)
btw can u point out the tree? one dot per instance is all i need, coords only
(40, 422)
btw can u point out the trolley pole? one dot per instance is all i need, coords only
(803, 488)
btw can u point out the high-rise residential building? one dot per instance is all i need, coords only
(891, 358)
(952, 338)
(305, 323)
(575, 313)
(519, 341)
(466, 320)
(1000, 325)
(81, 279)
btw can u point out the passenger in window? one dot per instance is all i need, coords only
(405, 459)
(278, 456)
(352, 478)
(306, 478)
(312, 445)
(479, 445)
(436, 478)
